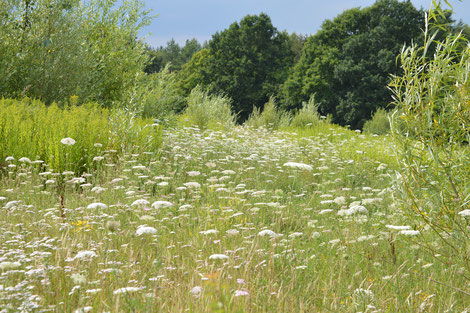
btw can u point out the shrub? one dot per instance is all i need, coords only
(434, 99)
(30, 129)
(206, 110)
(271, 117)
(156, 96)
(379, 124)
(308, 115)
(52, 49)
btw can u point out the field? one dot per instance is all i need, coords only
(240, 220)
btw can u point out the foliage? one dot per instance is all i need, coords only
(172, 54)
(205, 110)
(434, 97)
(195, 71)
(30, 129)
(308, 115)
(247, 62)
(379, 124)
(271, 117)
(156, 95)
(348, 62)
(52, 49)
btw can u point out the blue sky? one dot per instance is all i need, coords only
(186, 19)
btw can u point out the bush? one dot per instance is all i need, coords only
(308, 115)
(206, 110)
(271, 117)
(434, 99)
(156, 96)
(52, 49)
(30, 129)
(379, 124)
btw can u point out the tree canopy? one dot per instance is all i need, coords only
(248, 62)
(347, 64)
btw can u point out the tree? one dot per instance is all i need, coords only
(174, 54)
(248, 62)
(52, 49)
(347, 64)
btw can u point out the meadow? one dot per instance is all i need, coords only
(238, 219)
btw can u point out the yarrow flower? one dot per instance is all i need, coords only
(67, 141)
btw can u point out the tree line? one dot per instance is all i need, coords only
(55, 49)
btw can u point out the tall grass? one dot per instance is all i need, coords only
(205, 110)
(308, 115)
(30, 129)
(270, 117)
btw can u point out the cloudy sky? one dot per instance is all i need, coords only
(186, 19)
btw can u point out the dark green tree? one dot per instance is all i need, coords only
(174, 54)
(248, 62)
(347, 64)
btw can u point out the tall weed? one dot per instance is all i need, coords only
(308, 115)
(206, 110)
(433, 152)
(30, 129)
(271, 117)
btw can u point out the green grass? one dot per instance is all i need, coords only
(320, 261)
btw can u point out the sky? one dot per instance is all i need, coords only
(187, 19)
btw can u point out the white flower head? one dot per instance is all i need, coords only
(85, 255)
(126, 290)
(464, 212)
(68, 141)
(142, 203)
(218, 257)
(267, 232)
(24, 160)
(301, 166)
(409, 232)
(97, 205)
(161, 204)
(143, 229)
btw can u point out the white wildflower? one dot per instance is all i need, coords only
(85, 255)
(24, 160)
(78, 279)
(141, 230)
(301, 166)
(67, 141)
(465, 212)
(96, 205)
(393, 227)
(267, 232)
(161, 204)
(409, 232)
(141, 203)
(9, 265)
(192, 184)
(126, 290)
(218, 257)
